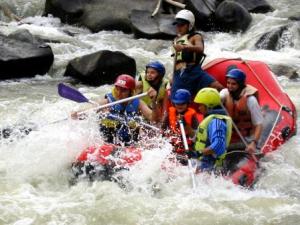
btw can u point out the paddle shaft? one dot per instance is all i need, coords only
(114, 103)
(186, 147)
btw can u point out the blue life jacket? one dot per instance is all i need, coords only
(129, 111)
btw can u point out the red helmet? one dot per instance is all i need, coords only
(125, 81)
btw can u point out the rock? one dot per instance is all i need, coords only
(98, 15)
(101, 67)
(295, 18)
(271, 40)
(231, 16)
(68, 11)
(159, 27)
(25, 36)
(285, 70)
(21, 55)
(256, 6)
(203, 11)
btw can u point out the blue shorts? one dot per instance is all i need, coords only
(193, 79)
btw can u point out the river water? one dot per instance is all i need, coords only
(34, 170)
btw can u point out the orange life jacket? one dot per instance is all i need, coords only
(188, 115)
(239, 112)
(176, 141)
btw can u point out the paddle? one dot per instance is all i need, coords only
(186, 147)
(74, 95)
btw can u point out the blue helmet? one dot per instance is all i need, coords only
(181, 96)
(158, 66)
(237, 75)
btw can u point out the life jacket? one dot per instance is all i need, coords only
(239, 112)
(120, 111)
(184, 56)
(162, 91)
(202, 139)
(177, 140)
(188, 115)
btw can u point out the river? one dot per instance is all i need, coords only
(34, 170)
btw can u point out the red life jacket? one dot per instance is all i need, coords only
(239, 112)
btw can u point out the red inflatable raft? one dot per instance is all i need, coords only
(278, 110)
(279, 125)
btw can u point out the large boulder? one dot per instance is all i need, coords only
(68, 11)
(256, 6)
(204, 11)
(285, 70)
(145, 26)
(21, 55)
(271, 39)
(232, 16)
(101, 67)
(98, 15)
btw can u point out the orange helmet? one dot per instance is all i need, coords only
(125, 81)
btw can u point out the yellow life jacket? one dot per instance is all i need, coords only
(162, 91)
(201, 136)
(188, 57)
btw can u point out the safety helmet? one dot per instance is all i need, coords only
(187, 15)
(181, 96)
(125, 81)
(237, 75)
(209, 97)
(158, 66)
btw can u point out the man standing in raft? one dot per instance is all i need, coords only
(188, 57)
(241, 102)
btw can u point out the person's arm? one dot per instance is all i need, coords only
(191, 130)
(145, 110)
(138, 87)
(217, 85)
(75, 115)
(217, 136)
(257, 120)
(223, 93)
(197, 45)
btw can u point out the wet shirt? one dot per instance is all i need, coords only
(216, 134)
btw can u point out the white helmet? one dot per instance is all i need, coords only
(186, 15)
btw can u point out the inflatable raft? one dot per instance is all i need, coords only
(241, 167)
(278, 110)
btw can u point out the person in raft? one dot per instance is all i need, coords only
(181, 110)
(214, 132)
(119, 125)
(241, 102)
(152, 79)
(188, 55)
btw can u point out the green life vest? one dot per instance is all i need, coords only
(201, 136)
(162, 91)
(184, 56)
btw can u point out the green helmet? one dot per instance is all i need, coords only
(209, 97)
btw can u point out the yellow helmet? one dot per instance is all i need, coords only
(209, 97)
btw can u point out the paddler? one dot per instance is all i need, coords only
(119, 125)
